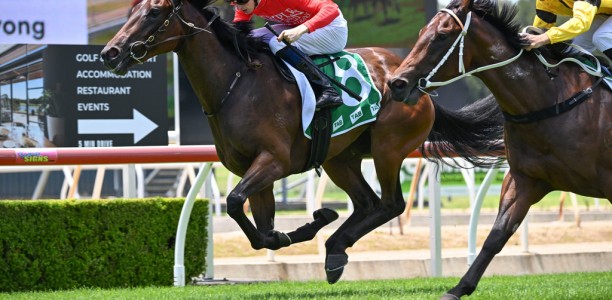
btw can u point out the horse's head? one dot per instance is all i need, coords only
(488, 31)
(154, 27)
(431, 53)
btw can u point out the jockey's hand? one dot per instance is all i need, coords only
(293, 34)
(533, 41)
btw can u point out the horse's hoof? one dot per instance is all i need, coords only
(326, 214)
(334, 266)
(281, 240)
(334, 275)
(449, 297)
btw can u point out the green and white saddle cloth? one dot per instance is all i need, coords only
(350, 70)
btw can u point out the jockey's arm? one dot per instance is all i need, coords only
(583, 14)
(293, 34)
(327, 11)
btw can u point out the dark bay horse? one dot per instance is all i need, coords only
(255, 117)
(548, 147)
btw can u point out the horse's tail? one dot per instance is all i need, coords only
(474, 133)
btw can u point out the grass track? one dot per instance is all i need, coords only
(557, 286)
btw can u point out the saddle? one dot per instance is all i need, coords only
(356, 111)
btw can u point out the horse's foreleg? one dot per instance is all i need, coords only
(257, 184)
(263, 208)
(517, 196)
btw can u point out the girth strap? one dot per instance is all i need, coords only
(554, 110)
(321, 136)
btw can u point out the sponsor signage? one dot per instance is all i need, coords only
(43, 22)
(100, 108)
(26, 156)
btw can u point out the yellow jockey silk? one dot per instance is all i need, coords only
(582, 14)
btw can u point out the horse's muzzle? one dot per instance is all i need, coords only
(114, 59)
(401, 90)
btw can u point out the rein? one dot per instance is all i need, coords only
(548, 112)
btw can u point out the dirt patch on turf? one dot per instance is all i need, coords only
(235, 244)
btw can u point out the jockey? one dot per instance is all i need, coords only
(311, 26)
(590, 24)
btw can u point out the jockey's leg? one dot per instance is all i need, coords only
(602, 37)
(608, 53)
(326, 40)
(326, 95)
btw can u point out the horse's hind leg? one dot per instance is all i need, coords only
(322, 217)
(390, 205)
(345, 172)
(517, 196)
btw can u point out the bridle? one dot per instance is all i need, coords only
(425, 82)
(175, 12)
(551, 111)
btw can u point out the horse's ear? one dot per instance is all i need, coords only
(198, 3)
(466, 4)
(463, 5)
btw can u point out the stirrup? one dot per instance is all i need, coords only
(327, 103)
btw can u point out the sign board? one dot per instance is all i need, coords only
(100, 108)
(43, 22)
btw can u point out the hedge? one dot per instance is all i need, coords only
(66, 244)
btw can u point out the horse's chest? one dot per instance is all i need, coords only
(531, 154)
(233, 159)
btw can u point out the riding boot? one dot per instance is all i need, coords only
(608, 53)
(326, 95)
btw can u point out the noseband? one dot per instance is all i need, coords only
(175, 12)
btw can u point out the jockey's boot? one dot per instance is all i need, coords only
(326, 95)
(608, 53)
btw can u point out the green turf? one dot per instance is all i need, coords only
(541, 287)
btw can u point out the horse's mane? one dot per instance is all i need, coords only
(231, 37)
(502, 16)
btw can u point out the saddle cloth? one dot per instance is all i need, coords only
(350, 70)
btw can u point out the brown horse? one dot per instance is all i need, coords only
(255, 116)
(551, 144)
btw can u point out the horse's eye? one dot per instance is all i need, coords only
(154, 12)
(442, 36)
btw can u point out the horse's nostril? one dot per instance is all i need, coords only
(111, 53)
(399, 83)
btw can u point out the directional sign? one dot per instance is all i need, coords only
(102, 109)
(139, 126)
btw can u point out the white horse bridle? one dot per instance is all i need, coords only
(424, 83)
